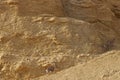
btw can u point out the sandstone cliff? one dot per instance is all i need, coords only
(45, 39)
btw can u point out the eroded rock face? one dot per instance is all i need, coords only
(35, 7)
(88, 10)
(29, 46)
(40, 37)
(52, 7)
(92, 10)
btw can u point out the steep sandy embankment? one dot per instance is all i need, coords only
(53, 39)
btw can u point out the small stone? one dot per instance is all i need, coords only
(51, 19)
(40, 19)
(50, 69)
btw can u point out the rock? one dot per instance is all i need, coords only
(47, 8)
(88, 10)
(44, 38)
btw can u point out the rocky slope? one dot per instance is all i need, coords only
(45, 39)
